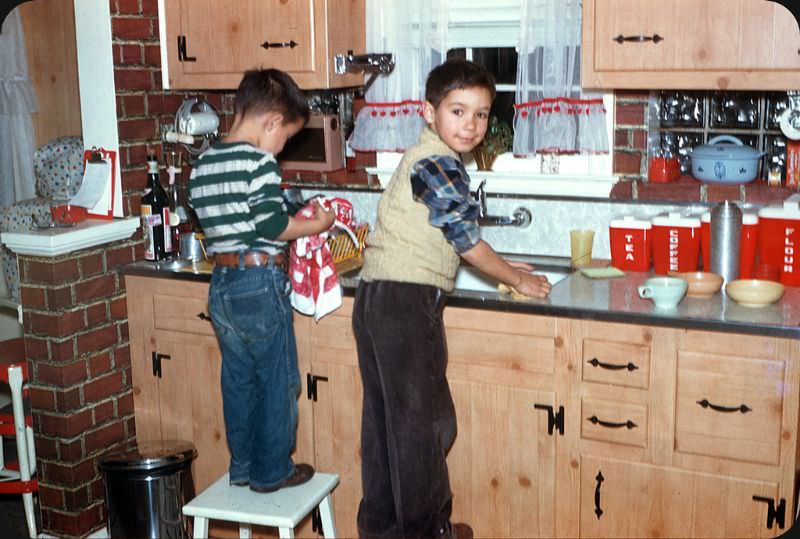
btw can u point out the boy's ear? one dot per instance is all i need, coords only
(272, 120)
(428, 112)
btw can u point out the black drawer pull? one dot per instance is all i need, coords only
(597, 510)
(655, 38)
(610, 425)
(278, 44)
(743, 408)
(204, 316)
(594, 362)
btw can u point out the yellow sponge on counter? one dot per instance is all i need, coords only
(602, 273)
(503, 288)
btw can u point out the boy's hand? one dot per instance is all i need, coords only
(522, 266)
(324, 218)
(534, 286)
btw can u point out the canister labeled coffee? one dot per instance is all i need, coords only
(676, 243)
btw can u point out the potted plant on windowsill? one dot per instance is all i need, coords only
(499, 139)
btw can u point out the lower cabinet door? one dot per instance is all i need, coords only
(337, 434)
(191, 401)
(502, 464)
(625, 499)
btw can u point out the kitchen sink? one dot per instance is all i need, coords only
(469, 278)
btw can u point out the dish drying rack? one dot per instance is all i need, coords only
(345, 253)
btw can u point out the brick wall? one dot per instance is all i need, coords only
(76, 339)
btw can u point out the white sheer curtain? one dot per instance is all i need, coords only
(17, 102)
(551, 114)
(415, 32)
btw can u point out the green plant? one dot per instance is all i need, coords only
(499, 139)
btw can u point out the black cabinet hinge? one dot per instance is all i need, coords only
(156, 359)
(311, 385)
(774, 515)
(182, 54)
(553, 420)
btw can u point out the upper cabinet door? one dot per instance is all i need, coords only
(689, 44)
(208, 44)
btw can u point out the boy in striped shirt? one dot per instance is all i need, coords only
(235, 191)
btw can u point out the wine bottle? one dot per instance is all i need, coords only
(155, 216)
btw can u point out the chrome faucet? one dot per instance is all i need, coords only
(521, 216)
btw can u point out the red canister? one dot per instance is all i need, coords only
(631, 243)
(676, 243)
(779, 240)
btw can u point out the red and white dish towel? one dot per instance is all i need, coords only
(315, 286)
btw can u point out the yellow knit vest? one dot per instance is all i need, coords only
(404, 247)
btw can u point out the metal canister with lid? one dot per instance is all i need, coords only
(726, 229)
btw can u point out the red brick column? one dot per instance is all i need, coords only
(76, 339)
(630, 135)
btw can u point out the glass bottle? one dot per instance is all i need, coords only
(155, 216)
(179, 220)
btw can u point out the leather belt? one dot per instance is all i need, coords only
(252, 259)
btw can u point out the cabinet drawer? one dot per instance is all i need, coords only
(614, 422)
(182, 313)
(729, 407)
(617, 363)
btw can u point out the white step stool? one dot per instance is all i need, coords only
(282, 509)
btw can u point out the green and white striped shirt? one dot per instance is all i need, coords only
(235, 191)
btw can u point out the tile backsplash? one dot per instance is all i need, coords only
(553, 218)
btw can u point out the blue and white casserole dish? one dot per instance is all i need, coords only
(725, 159)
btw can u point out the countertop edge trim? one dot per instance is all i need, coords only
(58, 241)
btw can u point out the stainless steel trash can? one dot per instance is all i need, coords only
(147, 484)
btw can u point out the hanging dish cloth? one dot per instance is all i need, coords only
(315, 285)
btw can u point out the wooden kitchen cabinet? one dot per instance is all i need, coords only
(502, 466)
(632, 499)
(336, 404)
(677, 433)
(207, 44)
(699, 44)
(566, 427)
(181, 397)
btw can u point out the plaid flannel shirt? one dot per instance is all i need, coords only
(442, 184)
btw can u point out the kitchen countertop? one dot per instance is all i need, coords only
(613, 300)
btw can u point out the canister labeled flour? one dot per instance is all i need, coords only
(779, 240)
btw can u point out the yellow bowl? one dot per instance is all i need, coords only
(701, 284)
(754, 292)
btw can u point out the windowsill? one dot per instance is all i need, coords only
(528, 184)
(58, 241)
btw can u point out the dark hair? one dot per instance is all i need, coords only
(456, 75)
(270, 90)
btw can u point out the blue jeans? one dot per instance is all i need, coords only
(252, 317)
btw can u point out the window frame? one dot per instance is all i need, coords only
(471, 26)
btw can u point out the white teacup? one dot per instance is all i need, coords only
(666, 292)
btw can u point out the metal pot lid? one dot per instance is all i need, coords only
(149, 455)
(717, 149)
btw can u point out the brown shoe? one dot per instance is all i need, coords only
(301, 474)
(462, 530)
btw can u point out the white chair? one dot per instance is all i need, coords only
(282, 509)
(16, 477)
